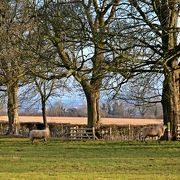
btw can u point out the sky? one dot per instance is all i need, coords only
(72, 101)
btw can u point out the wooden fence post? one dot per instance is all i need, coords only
(93, 132)
(129, 131)
(169, 132)
(110, 132)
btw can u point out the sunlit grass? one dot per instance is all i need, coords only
(19, 159)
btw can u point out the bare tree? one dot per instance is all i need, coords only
(11, 66)
(84, 36)
(46, 89)
(159, 20)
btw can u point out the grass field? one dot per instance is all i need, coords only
(88, 160)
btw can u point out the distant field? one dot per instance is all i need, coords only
(83, 120)
(88, 160)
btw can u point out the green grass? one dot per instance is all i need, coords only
(88, 160)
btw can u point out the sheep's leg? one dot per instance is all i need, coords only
(140, 137)
(145, 139)
(159, 137)
(45, 141)
(32, 140)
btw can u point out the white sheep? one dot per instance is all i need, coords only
(39, 134)
(152, 131)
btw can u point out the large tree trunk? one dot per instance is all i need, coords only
(175, 102)
(171, 97)
(10, 110)
(166, 104)
(13, 116)
(15, 109)
(169, 21)
(93, 108)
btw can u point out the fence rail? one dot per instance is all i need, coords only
(82, 133)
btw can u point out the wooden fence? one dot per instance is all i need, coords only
(79, 133)
(73, 132)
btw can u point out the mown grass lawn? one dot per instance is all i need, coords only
(88, 160)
